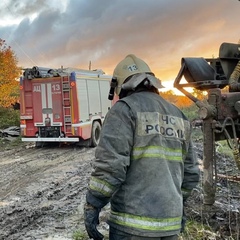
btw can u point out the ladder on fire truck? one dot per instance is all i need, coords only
(66, 104)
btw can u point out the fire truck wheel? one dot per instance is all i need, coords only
(96, 129)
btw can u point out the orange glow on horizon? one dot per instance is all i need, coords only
(169, 87)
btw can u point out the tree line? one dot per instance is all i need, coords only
(9, 75)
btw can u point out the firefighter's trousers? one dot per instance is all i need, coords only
(115, 234)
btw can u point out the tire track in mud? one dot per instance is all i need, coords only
(45, 189)
(23, 170)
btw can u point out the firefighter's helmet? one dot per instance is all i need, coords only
(129, 66)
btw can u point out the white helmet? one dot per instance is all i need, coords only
(130, 66)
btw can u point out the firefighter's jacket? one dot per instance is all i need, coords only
(144, 159)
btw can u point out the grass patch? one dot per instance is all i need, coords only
(197, 231)
(7, 144)
(79, 235)
(224, 148)
(9, 117)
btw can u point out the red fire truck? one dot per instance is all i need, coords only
(63, 105)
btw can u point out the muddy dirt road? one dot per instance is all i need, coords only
(42, 192)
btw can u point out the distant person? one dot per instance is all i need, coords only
(144, 161)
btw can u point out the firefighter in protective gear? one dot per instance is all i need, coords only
(145, 165)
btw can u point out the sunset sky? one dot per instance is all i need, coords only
(71, 33)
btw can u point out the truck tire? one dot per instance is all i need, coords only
(95, 135)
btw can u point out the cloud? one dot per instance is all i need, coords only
(74, 32)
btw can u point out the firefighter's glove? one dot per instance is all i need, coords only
(91, 220)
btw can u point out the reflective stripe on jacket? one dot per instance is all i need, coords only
(140, 165)
(145, 223)
(157, 151)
